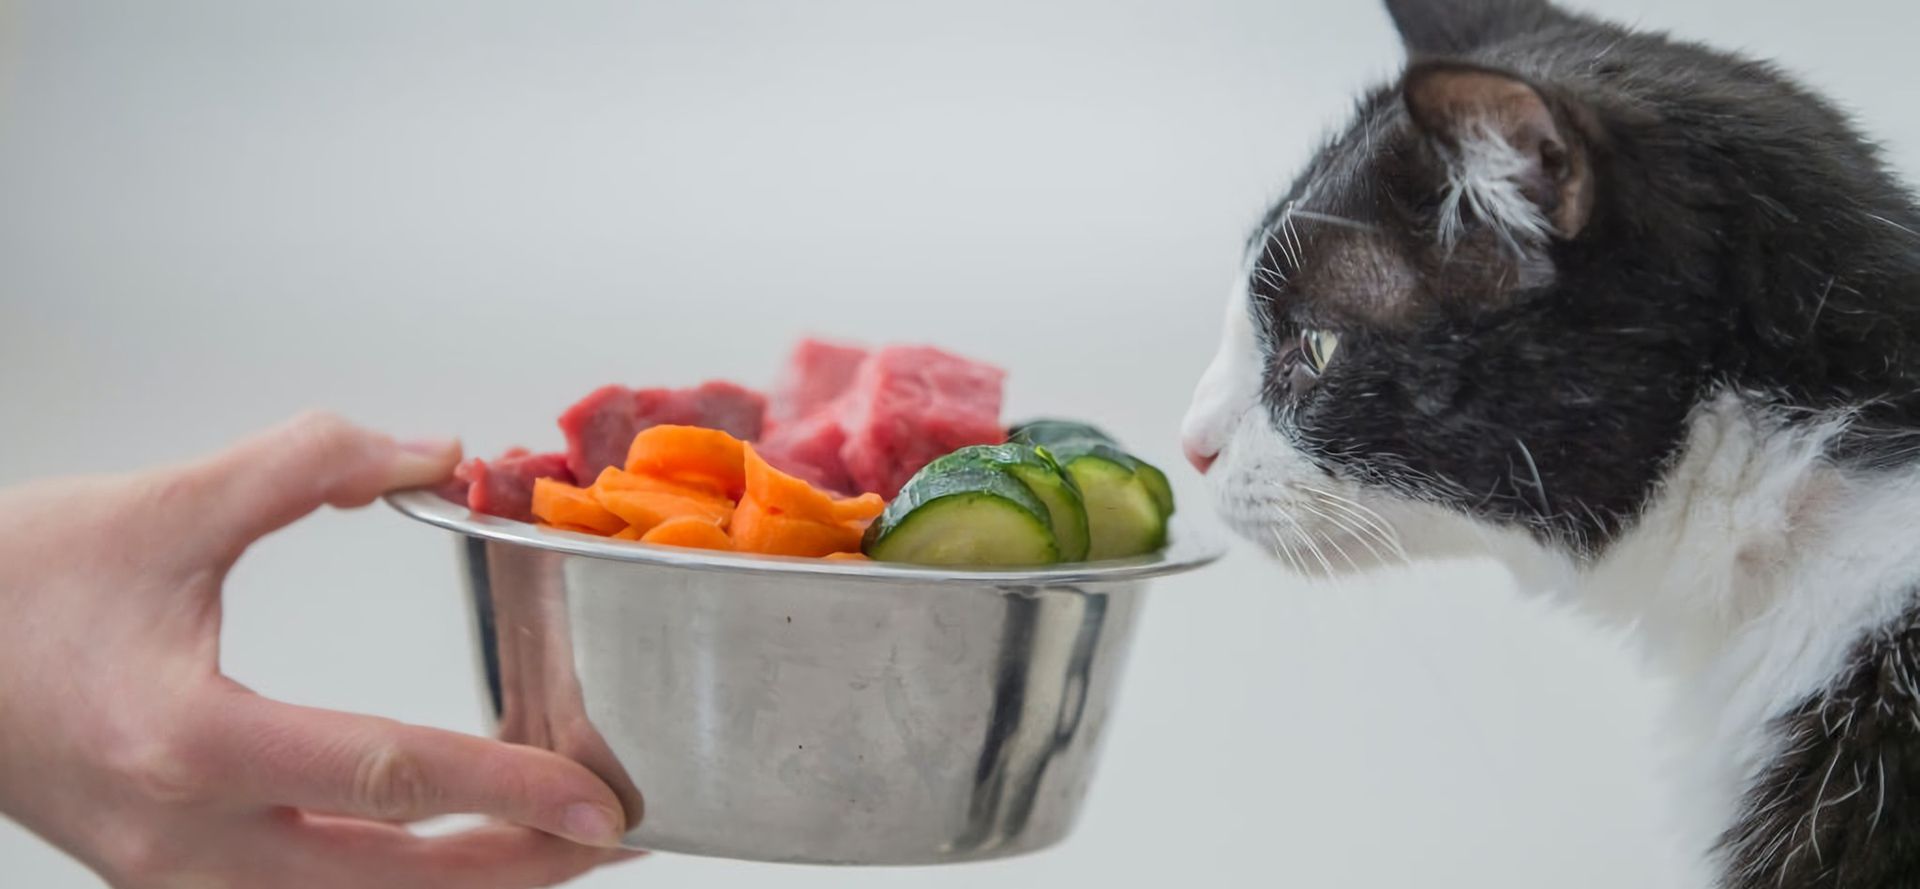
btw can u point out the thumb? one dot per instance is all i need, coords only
(318, 459)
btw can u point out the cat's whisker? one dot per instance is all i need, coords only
(1285, 549)
(1271, 266)
(1346, 530)
(1312, 546)
(1878, 218)
(1344, 522)
(1538, 485)
(1276, 237)
(1284, 235)
(1340, 221)
(1319, 553)
(1329, 539)
(1365, 515)
(1299, 246)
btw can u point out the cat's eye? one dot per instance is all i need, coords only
(1317, 348)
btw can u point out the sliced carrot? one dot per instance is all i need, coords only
(795, 497)
(761, 528)
(846, 557)
(643, 501)
(562, 505)
(691, 455)
(612, 479)
(646, 509)
(864, 508)
(689, 531)
(783, 493)
(628, 533)
(681, 483)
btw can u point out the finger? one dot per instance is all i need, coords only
(492, 857)
(273, 753)
(267, 482)
(308, 850)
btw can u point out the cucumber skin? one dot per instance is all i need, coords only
(1033, 468)
(1157, 484)
(1000, 455)
(1034, 537)
(1101, 477)
(1068, 451)
(1072, 530)
(1001, 471)
(1069, 439)
(1048, 431)
(956, 474)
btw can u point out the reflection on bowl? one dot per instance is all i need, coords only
(800, 710)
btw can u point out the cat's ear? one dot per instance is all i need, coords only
(1514, 157)
(1455, 27)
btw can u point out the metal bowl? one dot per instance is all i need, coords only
(804, 710)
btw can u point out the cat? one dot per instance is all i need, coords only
(1641, 320)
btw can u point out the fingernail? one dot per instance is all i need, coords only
(591, 824)
(430, 447)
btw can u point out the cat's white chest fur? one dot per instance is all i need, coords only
(1750, 579)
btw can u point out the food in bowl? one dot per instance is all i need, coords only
(896, 454)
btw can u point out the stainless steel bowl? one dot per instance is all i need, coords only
(804, 710)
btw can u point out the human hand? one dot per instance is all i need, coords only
(122, 743)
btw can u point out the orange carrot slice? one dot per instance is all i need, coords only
(612, 479)
(647, 509)
(562, 505)
(846, 557)
(689, 531)
(864, 508)
(643, 501)
(795, 497)
(690, 455)
(760, 528)
(628, 533)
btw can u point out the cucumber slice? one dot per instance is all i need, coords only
(1156, 482)
(1124, 516)
(1050, 432)
(1074, 437)
(1043, 476)
(964, 511)
(1035, 468)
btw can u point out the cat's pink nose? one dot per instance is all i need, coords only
(1200, 456)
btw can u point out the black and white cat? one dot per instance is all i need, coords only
(1642, 320)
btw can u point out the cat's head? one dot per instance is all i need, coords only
(1494, 300)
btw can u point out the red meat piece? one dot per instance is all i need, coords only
(817, 374)
(504, 486)
(912, 404)
(600, 428)
(810, 449)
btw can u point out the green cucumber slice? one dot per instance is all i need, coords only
(1043, 476)
(1071, 437)
(1035, 468)
(964, 511)
(1124, 517)
(1049, 432)
(1156, 482)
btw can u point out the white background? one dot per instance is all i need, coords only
(456, 217)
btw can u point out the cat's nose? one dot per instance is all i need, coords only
(1200, 456)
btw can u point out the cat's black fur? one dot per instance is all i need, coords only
(1736, 235)
(1837, 809)
(1742, 236)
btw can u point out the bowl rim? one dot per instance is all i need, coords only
(1188, 549)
